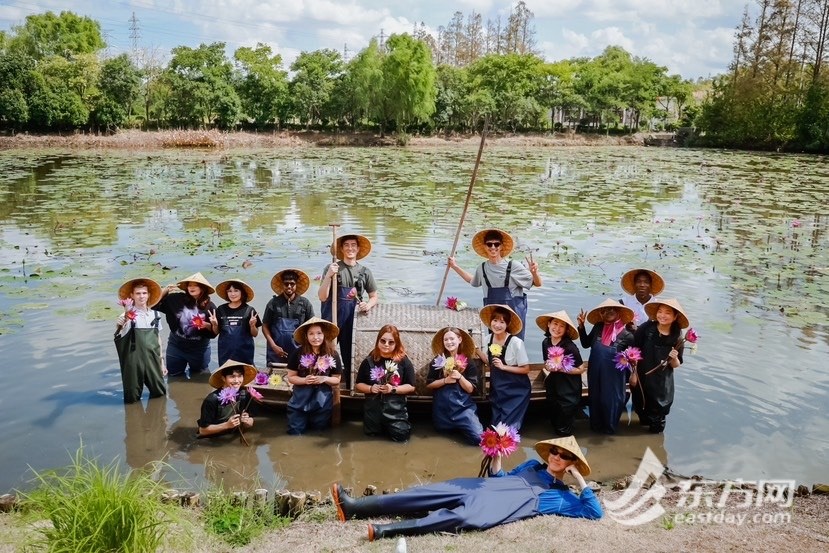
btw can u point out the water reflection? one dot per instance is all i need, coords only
(723, 234)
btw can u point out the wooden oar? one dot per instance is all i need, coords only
(465, 208)
(336, 414)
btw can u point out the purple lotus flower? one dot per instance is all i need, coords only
(378, 373)
(228, 396)
(261, 379)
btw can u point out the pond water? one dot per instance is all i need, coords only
(740, 238)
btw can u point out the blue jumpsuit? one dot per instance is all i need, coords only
(479, 503)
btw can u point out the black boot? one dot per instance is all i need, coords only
(348, 507)
(406, 527)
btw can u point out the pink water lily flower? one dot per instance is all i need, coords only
(307, 361)
(228, 396)
(625, 360)
(254, 393)
(691, 336)
(261, 379)
(500, 440)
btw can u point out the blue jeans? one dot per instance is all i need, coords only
(178, 359)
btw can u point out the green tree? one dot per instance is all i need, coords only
(408, 81)
(262, 83)
(452, 100)
(201, 91)
(513, 82)
(67, 34)
(119, 86)
(15, 89)
(315, 74)
(360, 92)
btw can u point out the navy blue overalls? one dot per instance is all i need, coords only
(503, 296)
(345, 319)
(509, 393)
(235, 341)
(606, 385)
(282, 330)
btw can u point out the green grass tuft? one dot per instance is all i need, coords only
(94, 508)
(238, 522)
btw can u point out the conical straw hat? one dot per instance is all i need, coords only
(217, 381)
(196, 277)
(125, 291)
(543, 322)
(479, 245)
(570, 444)
(653, 306)
(625, 313)
(221, 288)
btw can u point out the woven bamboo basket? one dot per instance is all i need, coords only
(417, 325)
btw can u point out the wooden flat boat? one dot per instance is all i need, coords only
(417, 324)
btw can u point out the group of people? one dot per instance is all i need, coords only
(316, 367)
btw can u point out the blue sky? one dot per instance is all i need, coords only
(691, 37)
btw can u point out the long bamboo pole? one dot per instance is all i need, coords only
(336, 413)
(465, 208)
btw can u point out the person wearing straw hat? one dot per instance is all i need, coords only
(564, 367)
(605, 382)
(314, 369)
(504, 282)
(235, 322)
(138, 340)
(220, 414)
(660, 340)
(356, 290)
(454, 379)
(509, 366)
(386, 376)
(531, 489)
(640, 285)
(285, 312)
(188, 346)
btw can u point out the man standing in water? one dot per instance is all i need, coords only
(354, 281)
(285, 312)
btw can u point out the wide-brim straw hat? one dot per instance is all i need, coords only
(653, 306)
(196, 277)
(570, 444)
(217, 380)
(625, 313)
(125, 291)
(329, 329)
(363, 243)
(302, 282)
(657, 282)
(479, 242)
(221, 288)
(466, 347)
(515, 325)
(543, 322)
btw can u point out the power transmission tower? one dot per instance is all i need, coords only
(135, 34)
(345, 52)
(382, 41)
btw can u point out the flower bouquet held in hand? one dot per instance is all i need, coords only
(317, 365)
(455, 304)
(690, 336)
(388, 373)
(557, 361)
(129, 308)
(457, 362)
(500, 440)
(230, 396)
(626, 360)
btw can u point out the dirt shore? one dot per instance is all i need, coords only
(132, 140)
(806, 529)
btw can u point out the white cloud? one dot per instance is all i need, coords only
(611, 36)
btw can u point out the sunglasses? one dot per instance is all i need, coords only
(493, 244)
(562, 453)
(289, 284)
(386, 342)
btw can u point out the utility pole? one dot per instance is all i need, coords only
(345, 52)
(382, 41)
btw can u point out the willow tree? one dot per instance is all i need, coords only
(408, 81)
